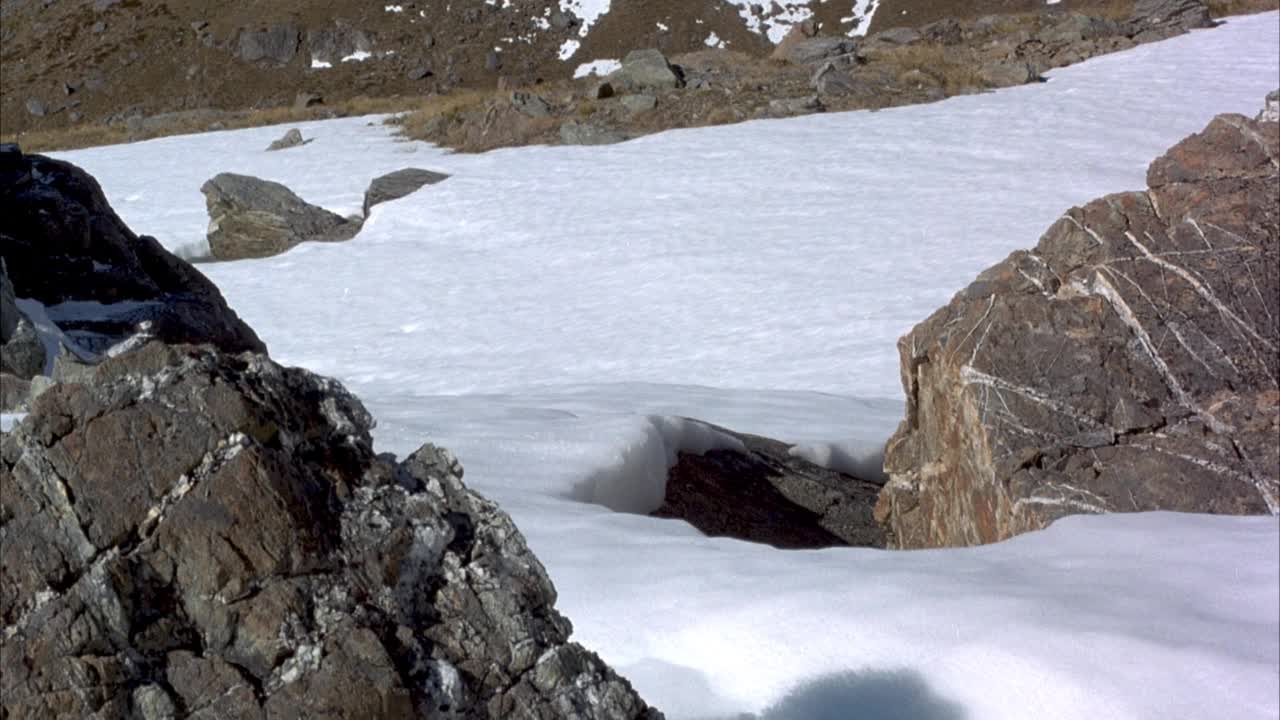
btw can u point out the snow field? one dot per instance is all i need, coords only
(548, 313)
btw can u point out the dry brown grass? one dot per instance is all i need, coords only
(92, 135)
(417, 124)
(1226, 8)
(954, 75)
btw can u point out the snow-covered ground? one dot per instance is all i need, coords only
(546, 310)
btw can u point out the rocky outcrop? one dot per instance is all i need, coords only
(1130, 362)
(187, 533)
(398, 184)
(766, 494)
(254, 218)
(1164, 18)
(65, 248)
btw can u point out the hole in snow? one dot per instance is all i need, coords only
(751, 488)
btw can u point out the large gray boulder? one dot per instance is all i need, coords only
(191, 533)
(277, 44)
(763, 493)
(60, 241)
(1130, 362)
(398, 184)
(646, 69)
(252, 218)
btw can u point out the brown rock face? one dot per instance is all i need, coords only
(1130, 362)
(188, 533)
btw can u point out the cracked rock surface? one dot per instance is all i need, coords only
(189, 533)
(1130, 362)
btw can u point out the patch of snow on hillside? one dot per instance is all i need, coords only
(318, 64)
(358, 56)
(597, 67)
(568, 48)
(713, 41)
(588, 11)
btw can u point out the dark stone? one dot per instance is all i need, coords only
(1130, 362)
(61, 241)
(398, 184)
(766, 495)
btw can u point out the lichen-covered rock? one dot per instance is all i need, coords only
(1130, 362)
(212, 535)
(61, 241)
(252, 218)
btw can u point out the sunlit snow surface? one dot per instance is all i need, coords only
(544, 308)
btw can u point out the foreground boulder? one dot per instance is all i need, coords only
(1129, 362)
(61, 243)
(191, 533)
(765, 494)
(252, 218)
(398, 184)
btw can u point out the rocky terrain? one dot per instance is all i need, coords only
(190, 530)
(87, 283)
(143, 69)
(1129, 362)
(810, 70)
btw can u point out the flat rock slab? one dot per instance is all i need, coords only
(252, 218)
(766, 495)
(398, 184)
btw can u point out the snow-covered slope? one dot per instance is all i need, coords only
(539, 308)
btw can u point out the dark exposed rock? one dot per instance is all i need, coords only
(278, 44)
(252, 218)
(398, 184)
(291, 138)
(1130, 362)
(60, 241)
(767, 495)
(211, 533)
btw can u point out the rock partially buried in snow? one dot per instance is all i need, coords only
(253, 218)
(292, 138)
(398, 184)
(764, 493)
(262, 561)
(1130, 362)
